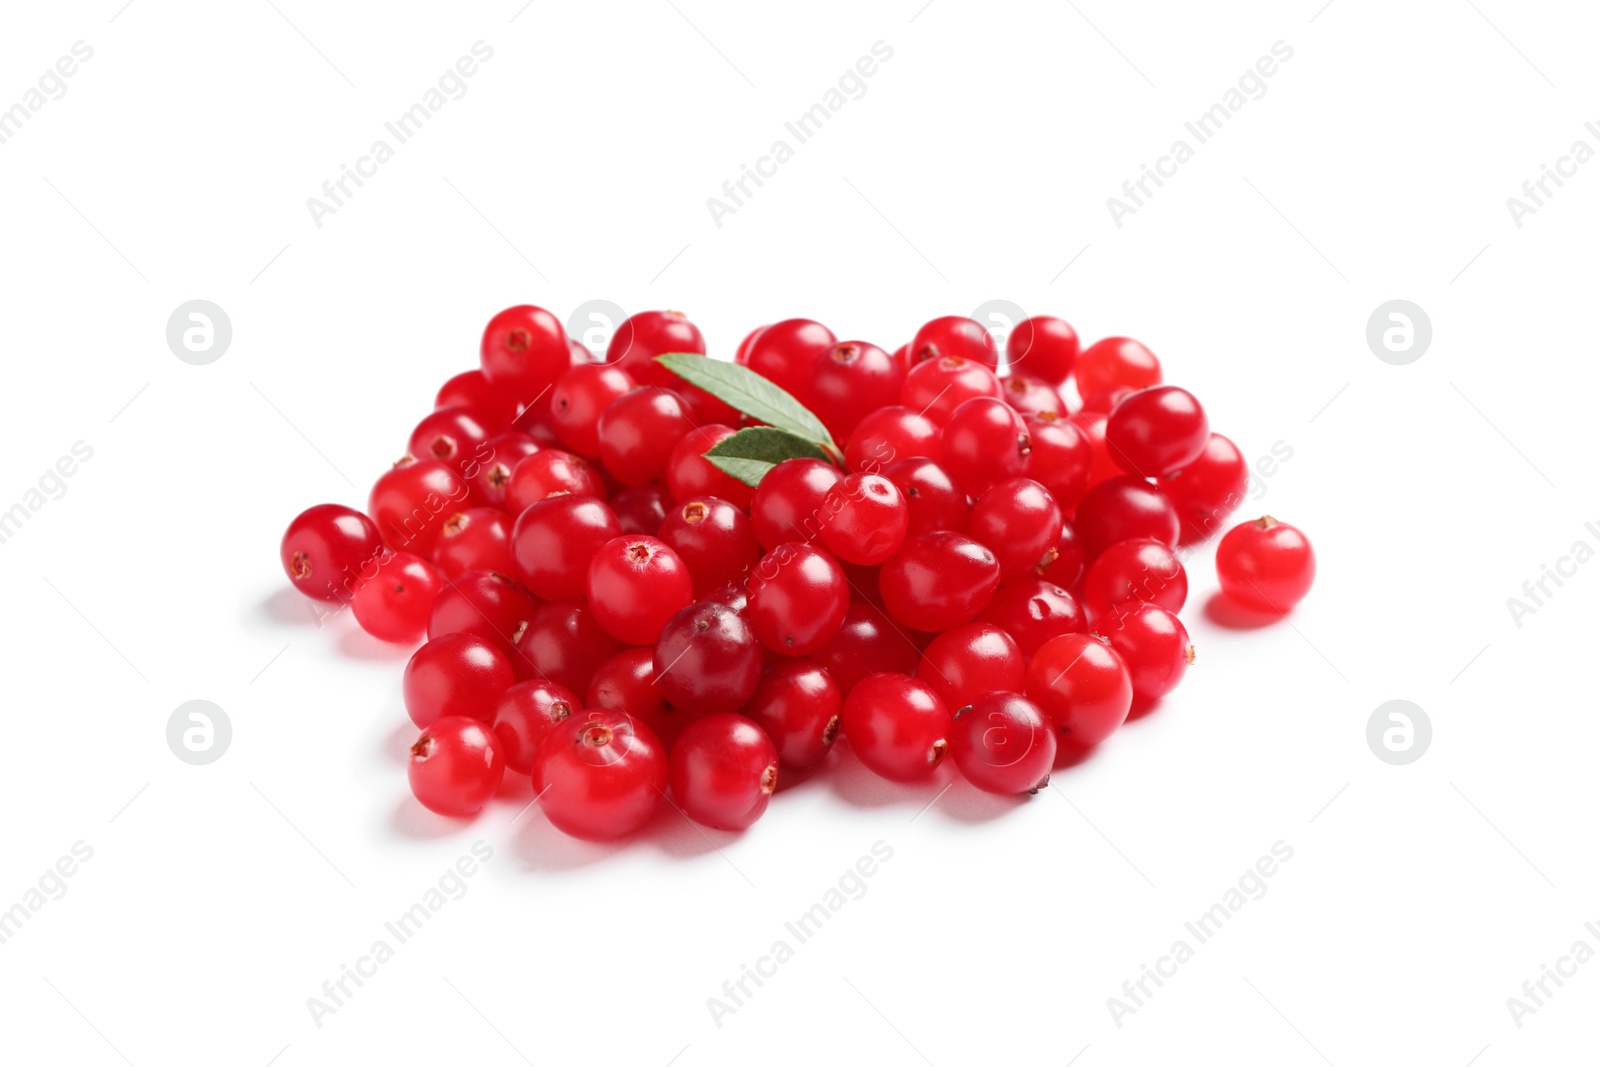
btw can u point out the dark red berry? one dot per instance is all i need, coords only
(565, 644)
(984, 441)
(627, 682)
(638, 432)
(851, 380)
(1019, 522)
(641, 509)
(868, 642)
(1033, 610)
(715, 540)
(1123, 508)
(707, 659)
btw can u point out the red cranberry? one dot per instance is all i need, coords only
(788, 504)
(937, 387)
(889, 434)
(394, 606)
(865, 519)
(1059, 458)
(1028, 395)
(477, 539)
(600, 774)
(1155, 647)
(648, 334)
(1206, 491)
(984, 442)
(525, 714)
(1033, 610)
(707, 659)
(524, 352)
(641, 509)
(1113, 362)
(798, 705)
(1003, 743)
(1266, 565)
(1083, 685)
(579, 397)
(1119, 509)
(555, 539)
(473, 391)
(484, 604)
(627, 682)
(1063, 564)
(411, 501)
(954, 335)
(1019, 521)
(565, 644)
(551, 472)
(327, 548)
(493, 476)
(850, 381)
(968, 661)
(798, 598)
(455, 767)
(449, 435)
(868, 642)
(938, 580)
(1157, 431)
(1043, 346)
(723, 771)
(635, 585)
(785, 352)
(897, 725)
(933, 501)
(689, 474)
(1139, 569)
(638, 432)
(715, 540)
(455, 675)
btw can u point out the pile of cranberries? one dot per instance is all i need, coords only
(988, 566)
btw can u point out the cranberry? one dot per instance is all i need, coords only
(525, 351)
(968, 661)
(635, 585)
(456, 766)
(1093, 428)
(1083, 685)
(477, 539)
(627, 682)
(1063, 564)
(707, 659)
(689, 474)
(1122, 508)
(798, 705)
(868, 642)
(741, 355)
(525, 714)
(1019, 521)
(1154, 645)
(644, 336)
(484, 604)
(448, 435)
(897, 725)
(411, 501)
(455, 675)
(938, 580)
(1138, 569)
(642, 508)
(1113, 362)
(1033, 610)
(785, 352)
(1266, 565)
(954, 335)
(1059, 458)
(889, 434)
(1207, 490)
(787, 505)
(638, 432)
(550, 472)
(493, 477)
(565, 644)
(394, 606)
(327, 548)
(600, 774)
(983, 442)
(850, 381)
(579, 397)
(937, 387)
(1045, 346)
(715, 540)
(798, 598)
(555, 539)
(933, 501)
(723, 771)
(1003, 743)
(865, 519)
(1157, 431)
(1028, 395)
(473, 391)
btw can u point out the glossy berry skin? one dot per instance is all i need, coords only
(1156, 431)
(788, 504)
(785, 352)
(707, 659)
(689, 474)
(1033, 610)
(635, 585)
(1083, 685)
(1115, 362)
(395, 605)
(865, 519)
(644, 336)
(449, 435)
(741, 355)
(1059, 458)
(937, 387)
(525, 714)
(1028, 395)
(1140, 569)
(554, 540)
(551, 472)
(1019, 521)
(564, 643)
(1063, 564)
(1206, 491)
(473, 391)
(453, 676)
(984, 441)
(1102, 402)
(722, 771)
(798, 704)
(600, 774)
(1120, 509)
(897, 725)
(477, 539)
(1266, 565)
(1101, 465)
(868, 642)
(642, 508)
(888, 435)
(851, 380)
(638, 432)
(578, 399)
(1003, 743)
(715, 540)
(525, 352)
(954, 335)
(937, 581)
(1044, 346)
(456, 766)
(411, 501)
(485, 604)
(798, 597)
(329, 550)
(627, 682)
(1155, 647)
(933, 501)
(501, 454)
(970, 660)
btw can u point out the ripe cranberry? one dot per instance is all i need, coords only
(851, 380)
(938, 580)
(555, 539)
(638, 432)
(1102, 402)
(798, 598)
(1155, 647)
(1266, 565)
(1059, 458)
(1019, 521)
(627, 682)
(723, 771)
(565, 644)
(473, 391)
(1003, 743)
(448, 435)
(551, 472)
(635, 585)
(1033, 610)
(984, 442)
(707, 659)
(641, 509)
(798, 705)
(578, 399)
(787, 505)
(477, 539)
(525, 714)
(600, 774)
(1157, 431)
(455, 675)
(1063, 564)
(456, 766)
(1206, 491)
(327, 548)
(890, 434)
(689, 474)
(1101, 465)
(865, 519)
(411, 501)
(1112, 362)
(1138, 569)
(785, 352)
(868, 642)
(1122, 508)
(1028, 395)
(937, 387)
(524, 352)
(501, 456)
(1044, 346)
(741, 355)
(933, 501)
(970, 660)
(394, 606)
(897, 725)
(644, 336)
(954, 335)
(715, 540)
(484, 604)
(1083, 685)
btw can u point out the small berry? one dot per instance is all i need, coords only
(1122, 508)
(329, 550)
(492, 476)
(1155, 647)
(689, 474)
(600, 774)
(938, 580)
(1266, 565)
(1033, 610)
(890, 434)
(798, 597)
(933, 501)
(525, 352)
(473, 391)
(1003, 743)
(449, 435)
(723, 771)
(1206, 492)
(851, 380)
(937, 387)
(456, 766)
(707, 659)
(1028, 395)
(395, 605)
(644, 336)
(455, 675)
(554, 540)
(627, 682)
(865, 519)
(1044, 346)
(525, 714)
(565, 644)
(638, 432)
(1139, 569)
(788, 504)
(484, 604)
(1059, 458)
(641, 509)
(984, 441)
(477, 539)
(785, 352)
(798, 705)
(1083, 685)
(1156, 431)
(1019, 521)
(1114, 362)
(551, 472)
(578, 399)
(955, 335)
(715, 540)
(868, 642)
(411, 501)
(1063, 564)
(970, 660)
(635, 585)
(897, 725)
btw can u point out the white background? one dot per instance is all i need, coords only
(977, 166)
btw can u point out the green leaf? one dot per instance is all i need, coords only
(749, 454)
(748, 391)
